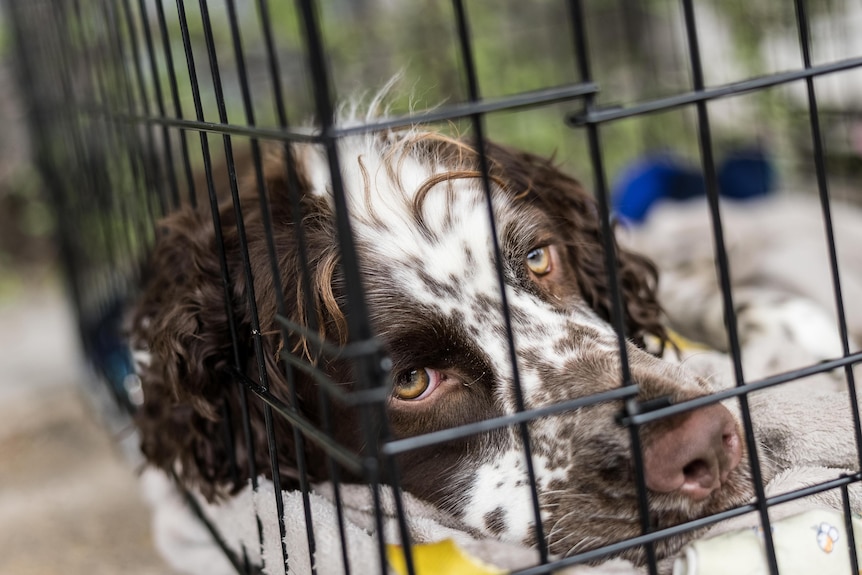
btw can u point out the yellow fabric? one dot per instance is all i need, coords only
(440, 558)
(682, 343)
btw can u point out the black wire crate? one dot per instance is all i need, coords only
(362, 323)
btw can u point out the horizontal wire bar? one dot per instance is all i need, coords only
(535, 98)
(527, 99)
(461, 431)
(351, 350)
(660, 413)
(284, 134)
(654, 536)
(402, 445)
(844, 479)
(347, 458)
(351, 398)
(598, 116)
(481, 106)
(366, 347)
(311, 336)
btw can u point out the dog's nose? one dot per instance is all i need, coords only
(695, 456)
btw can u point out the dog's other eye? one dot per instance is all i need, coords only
(539, 260)
(416, 384)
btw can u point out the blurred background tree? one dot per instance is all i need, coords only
(637, 49)
(26, 219)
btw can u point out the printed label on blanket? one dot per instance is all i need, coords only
(811, 542)
(441, 558)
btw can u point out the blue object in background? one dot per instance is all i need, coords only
(108, 351)
(745, 173)
(650, 180)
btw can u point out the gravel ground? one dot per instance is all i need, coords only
(69, 501)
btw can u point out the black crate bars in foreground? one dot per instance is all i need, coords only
(136, 106)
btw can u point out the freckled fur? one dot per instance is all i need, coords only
(424, 242)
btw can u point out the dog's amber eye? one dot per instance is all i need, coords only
(415, 384)
(539, 260)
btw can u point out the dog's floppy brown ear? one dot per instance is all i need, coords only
(182, 320)
(563, 196)
(181, 317)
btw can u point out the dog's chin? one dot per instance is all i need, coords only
(670, 510)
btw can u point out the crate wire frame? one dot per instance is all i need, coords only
(95, 102)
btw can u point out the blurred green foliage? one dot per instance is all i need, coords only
(637, 54)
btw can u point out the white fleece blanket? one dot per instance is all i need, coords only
(814, 420)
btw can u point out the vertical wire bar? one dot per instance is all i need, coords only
(53, 57)
(369, 370)
(705, 139)
(299, 440)
(631, 15)
(175, 97)
(401, 513)
(823, 192)
(848, 524)
(130, 138)
(104, 284)
(227, 428)
(213, 199)
(118, 140)
(108, 208)
(111, 246)
(94, 84)
(249, 278)
(131, 143)
(477, 122)
(75, 135)
(112, 283)
(305, 275)
(103, 98)
(160, 104)
(94, 87)
(145, 161)
(61, 188)
(201, 516)
(154, 180)
(128, 144)
(25, 65)
(576, 13)
(360, 328)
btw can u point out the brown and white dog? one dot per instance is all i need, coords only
(424, 241)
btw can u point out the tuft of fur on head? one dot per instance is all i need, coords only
(361, 108)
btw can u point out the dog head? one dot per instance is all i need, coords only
(432, 266)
